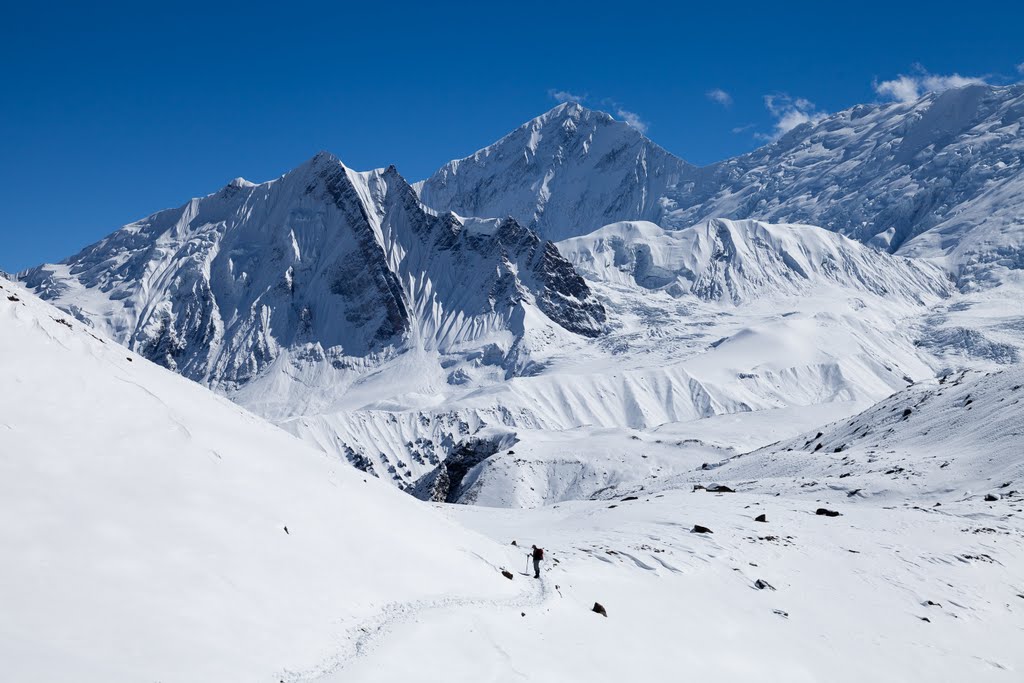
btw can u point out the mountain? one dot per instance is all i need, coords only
(564, 173)
(736, 261)
(941, 176)
(335, 305)
(324, 267)
(152, 530)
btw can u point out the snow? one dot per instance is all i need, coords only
(568, 171)
(143, 531)
(852, 592)
(742, 260)
(143, 525)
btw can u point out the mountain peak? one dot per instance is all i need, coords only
(570, 167)
(574, 113)
(241, 183)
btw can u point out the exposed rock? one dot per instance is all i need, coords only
(698, 529)
(826, 512)
(507, 574)
(761, 584)
(599, 608)
(444, 484)
(991, 497)
(718, 488)
(761, 518)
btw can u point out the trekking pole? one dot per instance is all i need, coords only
(527, 563)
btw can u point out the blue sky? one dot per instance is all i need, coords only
(110, 113)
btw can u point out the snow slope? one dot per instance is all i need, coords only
(890, 593)
(960, 437)
(937, 177)
(151, 530)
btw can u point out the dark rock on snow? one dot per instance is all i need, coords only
(698, 529)
(826, 512)
(599, 608)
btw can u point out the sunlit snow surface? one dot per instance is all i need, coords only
(143, 539)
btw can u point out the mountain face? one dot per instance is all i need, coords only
(738, 261)
(333, 266)
(938, 177)
(564, 173)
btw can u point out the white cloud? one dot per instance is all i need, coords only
(743, 129)
(632, 119)
(720, 96)
(566, 96)
(790, 112)
(1020, 68)
(908, 88)
(901, 89)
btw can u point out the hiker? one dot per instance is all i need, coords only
(537, 555)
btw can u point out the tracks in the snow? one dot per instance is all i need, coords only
(363, 639)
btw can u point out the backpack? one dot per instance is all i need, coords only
(538, 553)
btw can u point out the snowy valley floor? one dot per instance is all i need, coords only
(884, 592)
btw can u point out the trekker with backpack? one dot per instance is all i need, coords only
(537, 555)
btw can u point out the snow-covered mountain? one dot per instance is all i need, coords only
(151, 530)
(332, 303)
(564, 173)
(324, 267)
(736, 261)
(938, 177)
(337, 305)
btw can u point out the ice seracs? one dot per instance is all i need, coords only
(736, 261)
